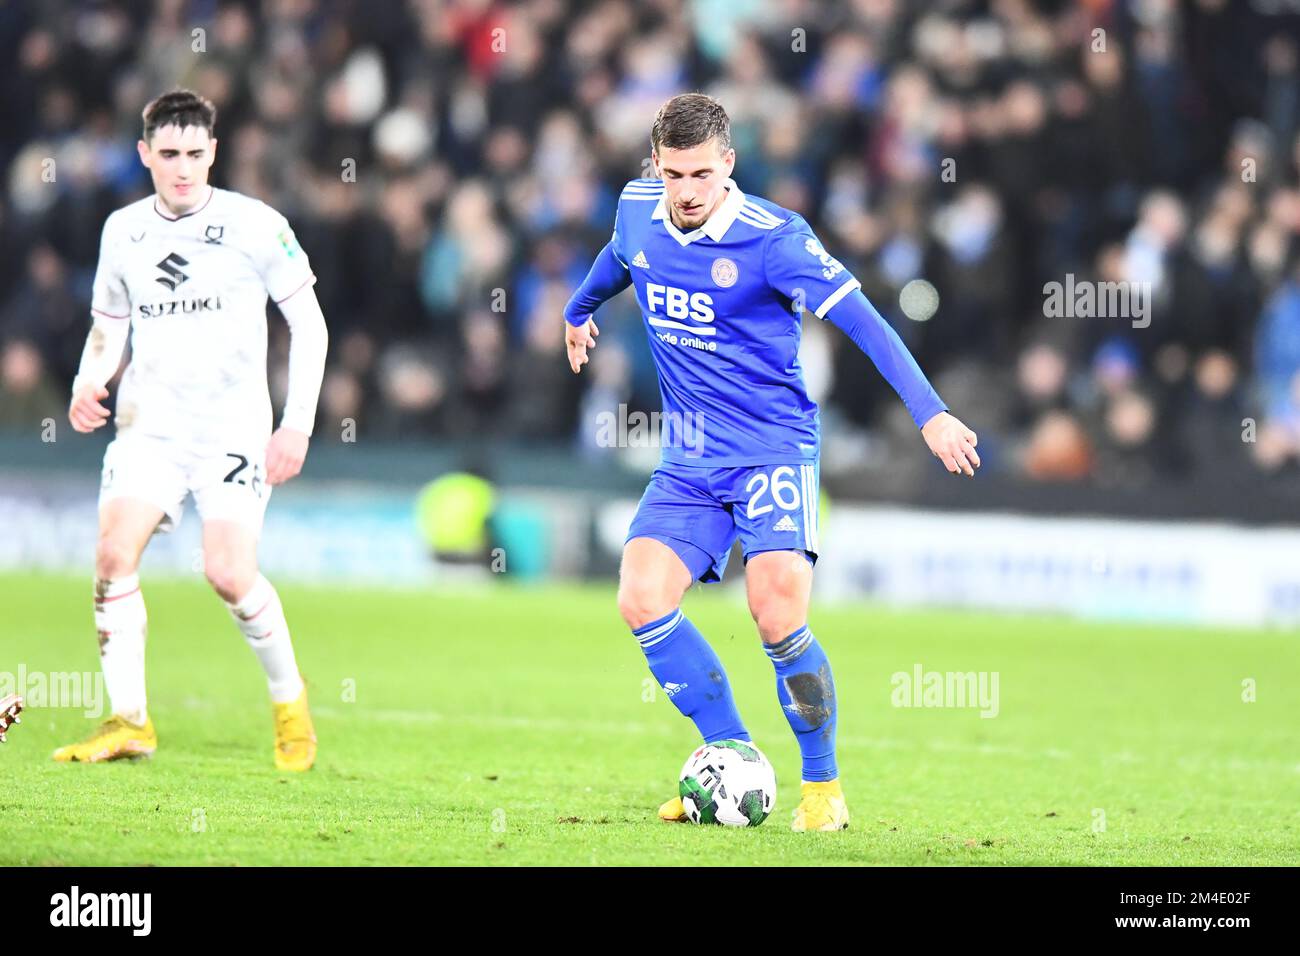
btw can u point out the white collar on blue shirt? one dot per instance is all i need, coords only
(715, 227)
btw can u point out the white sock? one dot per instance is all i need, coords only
(261, 618)
(121, 621)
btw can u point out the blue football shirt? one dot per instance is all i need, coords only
(721, 305)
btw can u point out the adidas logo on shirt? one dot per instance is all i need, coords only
(785, 524)
(672, 688)
(640, 260)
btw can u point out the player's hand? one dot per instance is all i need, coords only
(952, 443)
(579, 338)
(86, 413)
(285, 453)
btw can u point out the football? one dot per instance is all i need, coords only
(728, 782)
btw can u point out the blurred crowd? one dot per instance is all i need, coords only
(451, 167)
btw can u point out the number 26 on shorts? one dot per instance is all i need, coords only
(782, 485)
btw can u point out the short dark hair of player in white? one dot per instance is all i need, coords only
(180, 108)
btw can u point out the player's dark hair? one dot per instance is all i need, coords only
(179, 108)
(690, 119)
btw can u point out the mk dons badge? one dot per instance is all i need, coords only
(725, 272)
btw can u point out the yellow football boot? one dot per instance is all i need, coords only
(673, 811)
(114, 739)
(295, 737)
(821, 807)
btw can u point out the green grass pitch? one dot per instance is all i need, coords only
(511, 726)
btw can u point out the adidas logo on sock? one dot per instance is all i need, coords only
(785, 524)
(640, 260)
(671, 688)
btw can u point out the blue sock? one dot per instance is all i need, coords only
(691, 675)
(807, 693)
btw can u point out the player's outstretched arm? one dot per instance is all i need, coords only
(308, 343)
(948, 439)
(800, 269)
(100, 358)
(607, 278)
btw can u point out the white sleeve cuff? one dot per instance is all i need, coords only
(835, 296)
(299, 420)
(102, 353)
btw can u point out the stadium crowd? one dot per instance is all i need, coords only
(451, 167)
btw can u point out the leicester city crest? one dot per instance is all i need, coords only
(725, 272)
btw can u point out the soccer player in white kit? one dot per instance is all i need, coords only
(187, 272)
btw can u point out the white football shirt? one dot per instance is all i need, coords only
(194, 289)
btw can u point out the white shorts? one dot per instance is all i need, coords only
(227, 486)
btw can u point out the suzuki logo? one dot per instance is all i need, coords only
(174, 276)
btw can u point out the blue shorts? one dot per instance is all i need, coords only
(699, 512)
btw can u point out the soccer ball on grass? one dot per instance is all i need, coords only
(728, 782)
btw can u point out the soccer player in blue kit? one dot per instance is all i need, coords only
(723, 280)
